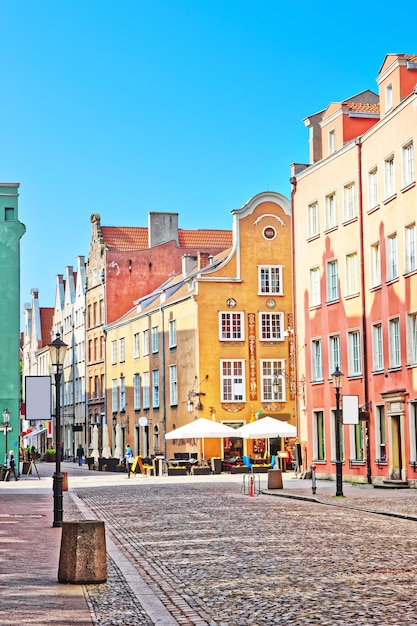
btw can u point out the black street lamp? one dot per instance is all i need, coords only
(57, 350)
(337, 378)
(6, 420)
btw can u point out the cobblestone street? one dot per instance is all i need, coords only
(216, 556)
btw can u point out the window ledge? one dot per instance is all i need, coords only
(331, 229)
(409, 186)
(375, 287)
(374, 208)
(313, 237)
(333, 301)
(396, 368)
(410, 273)
(390, 198)
(392, 280)
(349, 296)
(350, 221)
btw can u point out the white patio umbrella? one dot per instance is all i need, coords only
(202, 429)
(106, 448)
(95, 453)
(266, 428)
(118, 452)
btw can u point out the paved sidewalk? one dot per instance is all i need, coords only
(29, 545)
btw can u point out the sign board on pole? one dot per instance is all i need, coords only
(38, 397)
(350, 409)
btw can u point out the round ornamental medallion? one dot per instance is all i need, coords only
(270, 303)
(269, 233)
(231, 302)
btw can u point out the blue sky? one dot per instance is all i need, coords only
(125, 107)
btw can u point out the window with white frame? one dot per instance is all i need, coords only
(136, 346)
(332, 281)
(122, 394)
(408, 164)
(232, 376)
(410, 248)
(388, 97)
(122, 349)
(270, 280)
(380, 434)
(113, 352)
(331, 217)
(145, 342)
(271, 326)
(146, 390)
(272, 380)
(154, 336)
(392, 257)
(319, 443)
(349, 202)
(315, 297)
(354, 353)
(375, 265)
(155, 389)
(114, 404)
(172, 333)
(373, 188)
(377, 348)
(332, 141)
(357, 441)
(313, 220)
(316, 360)
(136, 392)
(231, 326)
(352, 274)
(412, 338)
(389, 177)
(173, 385)
(394, 342)
(334, 353)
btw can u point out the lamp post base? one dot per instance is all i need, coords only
(58, 499)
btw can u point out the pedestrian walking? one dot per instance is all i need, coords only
(10, 466)
(80, 454)
(129, 460)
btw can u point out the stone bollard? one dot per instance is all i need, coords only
(275, 479)
(83, 555)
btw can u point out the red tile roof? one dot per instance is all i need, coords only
(363, 108)
(125, 238)
(47, 316)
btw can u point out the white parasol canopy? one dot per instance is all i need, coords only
(266, 428)
(95, 453)
(202, 429)
(106, 448)
(118, 452)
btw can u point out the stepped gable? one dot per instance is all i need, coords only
(124, 238)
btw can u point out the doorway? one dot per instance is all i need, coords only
(396, 448)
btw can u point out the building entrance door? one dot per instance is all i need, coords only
(396, 448)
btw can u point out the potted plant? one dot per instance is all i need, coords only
(50, 455)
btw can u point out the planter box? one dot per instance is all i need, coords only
(261, 469)
(50, 458)
(177, 471)
(201, 471)
(240, 469)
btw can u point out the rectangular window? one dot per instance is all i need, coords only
(145, 342)
(375, 265)
(349, 202)
(412, 339)
(410, 248)
(408, 164)
(136, 392)
(155, 389)
(373, 188)
(352, 274)
(270, 280)
(113, 352)
(313, 220)
(316, 360)
(122, 394)
(272, 381)
(357, 445)
(146, 390)
(388, 97)
(232, 381)
(332, 141)
(380, 434)
(334, 353)
(332, 281)
(318, 436)
(114, 406)
(392, 257)
(172, 333)
(394, 343)
(413, 432)
(122, 349)
(136, 346)
(154, 335)
(377, 348)
(331, 217)
(173, 385)
(354, 353)
(315, 297)
(230, 326)
(271, 326)
(389, 177)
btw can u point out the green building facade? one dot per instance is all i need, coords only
(11, 231)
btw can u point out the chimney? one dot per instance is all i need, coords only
(189, 264)
(162, 227)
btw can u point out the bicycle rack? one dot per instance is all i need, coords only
(251, 485)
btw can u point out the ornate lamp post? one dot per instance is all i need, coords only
(337, 378)
(57, 350)
(6, 420)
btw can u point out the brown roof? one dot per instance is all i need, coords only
(125, 238)
(47, 315)
(363, 108)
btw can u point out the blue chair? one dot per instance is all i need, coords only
(246, 461)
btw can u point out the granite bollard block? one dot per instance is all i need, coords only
(83, 554)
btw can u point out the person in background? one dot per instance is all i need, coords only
(11, 466)
(80, 454)
(129, 460)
